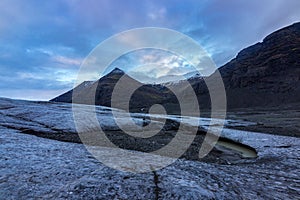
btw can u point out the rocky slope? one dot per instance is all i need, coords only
(267, 73)
(67, 97)
(100, 93)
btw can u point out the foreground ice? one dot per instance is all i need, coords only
(58, 116)
(33, 167)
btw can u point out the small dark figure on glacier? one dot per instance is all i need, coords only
(144, 117)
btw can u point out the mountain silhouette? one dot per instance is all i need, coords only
(264, 74)
(100, 93)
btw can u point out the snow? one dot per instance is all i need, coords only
(59, 116)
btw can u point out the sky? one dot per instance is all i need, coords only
(43, 43)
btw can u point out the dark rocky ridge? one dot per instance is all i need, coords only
(100, 93)
(67, 97)
(267, 73)
(264, 74)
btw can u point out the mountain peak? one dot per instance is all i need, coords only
(117, 71)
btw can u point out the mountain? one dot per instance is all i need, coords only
(100, 93)
(264, 74)
(174, 79)
(67, 97)
(84, 90)
(192, 74)
(267, 73)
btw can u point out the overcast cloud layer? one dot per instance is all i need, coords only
(44, 42)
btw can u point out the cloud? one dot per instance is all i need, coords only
(53, 37)
(153, 65)
(157, 14)
(66, 61)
